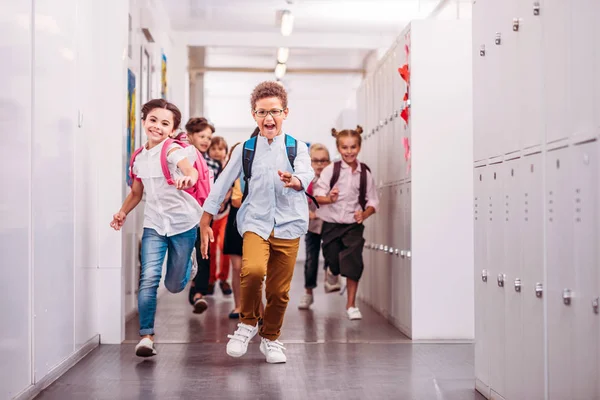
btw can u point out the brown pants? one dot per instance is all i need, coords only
(275, 258)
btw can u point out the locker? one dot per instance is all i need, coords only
(532, 214)
(555, 41)
(530, 78)
(560, 274)
(482, 280)
(585, 236)
(581, 68)
(407, 298)
(498, 285)
(513, 247)
(480, 95)
(395, 276)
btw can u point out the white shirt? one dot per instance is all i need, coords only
(269, 207)
(168, 211)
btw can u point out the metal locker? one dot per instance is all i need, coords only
(513, 247)
(480, 81)
(529, 93)
(555, 51)
(395, 276)
(532, 291)
(585, 241)
(400, 90)
(482, 281)
(407, 201)
(580, 66)
(560, 274)
(496, 306)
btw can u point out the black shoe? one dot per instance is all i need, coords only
(225, 288)
(234, 315)
(260, 322)
(210, 290)
(200, 305)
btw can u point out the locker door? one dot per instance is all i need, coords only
(581, 67)
(532, 214)
(482, 281)
(585, 241)
(530, 79)
(399, 130)
(408, 260)
(560, 274)
(513, 247)
(555, 40)
(496, 305)
(395, 277)
(480, 81)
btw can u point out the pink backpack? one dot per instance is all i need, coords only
(206, 177)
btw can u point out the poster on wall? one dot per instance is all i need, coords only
(163, 77)
(130, 122)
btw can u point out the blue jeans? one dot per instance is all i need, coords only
(179, 267)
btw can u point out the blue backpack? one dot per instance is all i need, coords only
(248, 151)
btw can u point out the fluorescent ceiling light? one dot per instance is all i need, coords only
(287, 23)
(282, 55)
(280, 70)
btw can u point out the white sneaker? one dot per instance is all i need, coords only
(194, 264)
(353, 313)
(332, 282)
(145, 348)
(306, 301)
(238, 342)
(273, 350)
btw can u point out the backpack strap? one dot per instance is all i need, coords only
(248, 152)
(291, 148)
(131, 161)
(337, 167)
(362, 190)
(163, 158)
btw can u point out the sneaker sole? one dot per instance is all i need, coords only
(200, 307)
(145, 352)
(336, 289)
(235, 355)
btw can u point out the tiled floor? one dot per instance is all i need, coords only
(328, 357)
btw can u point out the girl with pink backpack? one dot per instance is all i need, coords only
(176, 181)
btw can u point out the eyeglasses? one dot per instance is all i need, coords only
(264, 113)
(320, 160)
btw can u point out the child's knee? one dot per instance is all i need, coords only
(175, 287)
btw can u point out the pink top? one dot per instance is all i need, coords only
(342, 211)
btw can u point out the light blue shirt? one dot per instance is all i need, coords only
(269, 206)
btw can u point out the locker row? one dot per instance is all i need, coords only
(537, 299)
(536, 70)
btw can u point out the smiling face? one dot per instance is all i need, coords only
(158, 125)
(201, 140)
(349, 148)
(269, 115)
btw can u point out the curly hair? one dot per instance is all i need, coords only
(348, 133)
(268, 89)
(161, 103)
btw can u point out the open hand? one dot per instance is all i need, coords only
(184, 182)
(289, 180)
(118, 220)
(206, 236)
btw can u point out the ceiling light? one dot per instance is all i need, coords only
(282, 55)
(280, 70)
(287, 23)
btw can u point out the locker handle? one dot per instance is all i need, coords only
(402, 253)
(567, 296)
(484, 275)
(518, 285)
(391, 251)
(380, 247)
(539, 289)
(501, 278)
(385, 248)
(536, 8)
(596, 305)
(397, 252)
(408, 254)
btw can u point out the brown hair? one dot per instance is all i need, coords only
(218, 141)
(356, 133)
(195, 125)
(317, 147)
(161, 103)
(268, 89)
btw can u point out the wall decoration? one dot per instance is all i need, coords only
(163, 77)
(130, 122)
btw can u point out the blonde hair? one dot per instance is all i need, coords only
(355, 133)
(316, 147)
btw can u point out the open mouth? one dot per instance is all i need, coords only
(270, 127)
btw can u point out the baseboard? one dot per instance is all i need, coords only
(58, 371)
